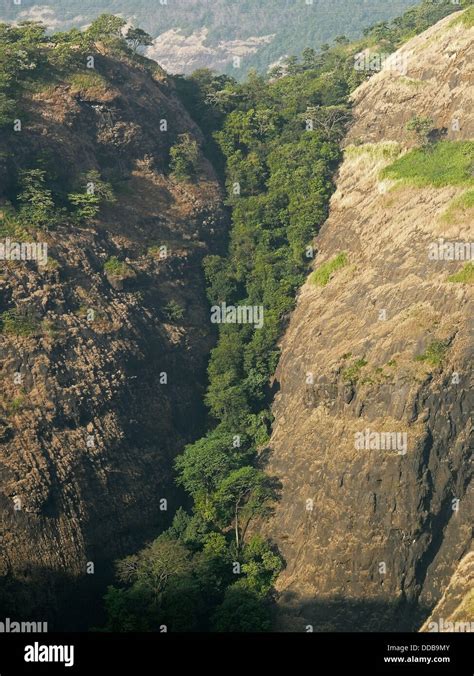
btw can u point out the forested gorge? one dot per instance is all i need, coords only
(276, 138)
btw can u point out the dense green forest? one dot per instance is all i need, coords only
(294, 23)
(277, 138)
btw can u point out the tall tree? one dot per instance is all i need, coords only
(136, 38)
(242, 496)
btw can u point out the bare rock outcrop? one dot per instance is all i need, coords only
(373, 432)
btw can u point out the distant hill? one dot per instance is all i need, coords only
(197, 33)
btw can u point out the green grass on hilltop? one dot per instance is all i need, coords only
(446, 163)
(466, 18)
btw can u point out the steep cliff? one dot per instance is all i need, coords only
(373, 526)
(103, 384)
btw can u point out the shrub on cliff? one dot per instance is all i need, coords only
(95, 193)
(173, 311)
(184, 158)
(17, 323)
(421, 127)
(37, 207)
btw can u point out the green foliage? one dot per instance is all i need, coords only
(323, 274)
(96, 192)
(412, 22)
(202, 467)
(113, 267)
(261, 566)
(33, 60)
(173, 311)
(29, 58)
(466, 18)
(17, 323)
(7, 109)
(301, 178)
(107, 28)
(434, 353)
(10, 226)
(87, 82)
(295, 25)
(464, 276)
(69, 50)
(136, 38)
(21, 54)
(184, 158)
(155, 566)
(422, 128)
(351, 374)
(35, 199)
(459, 207)
(15, 405)
(284, 174)
(279, 141)
(241, 611)
(242, 496)
(159, 590)
(125, 610)
(221, 285)
(447, 163)
(87, 205)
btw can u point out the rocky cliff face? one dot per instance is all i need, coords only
(102, 394)
(372, 531)
(455, 610)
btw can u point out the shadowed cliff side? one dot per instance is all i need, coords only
(105, 387)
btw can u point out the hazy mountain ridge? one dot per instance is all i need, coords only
(230, 26)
